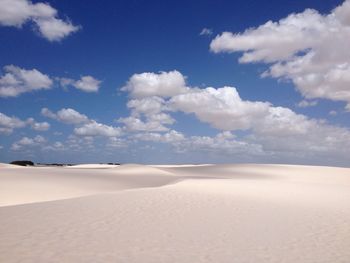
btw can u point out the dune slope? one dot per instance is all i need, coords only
(216, 213)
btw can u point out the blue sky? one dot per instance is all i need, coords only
(175, 82)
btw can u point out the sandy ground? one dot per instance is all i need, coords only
(207, 213)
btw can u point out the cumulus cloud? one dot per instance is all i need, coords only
(97, 129)
(16, 13)
(47, 113)
(308, 48)
(78, 143)
(37, 143)
(16, 81)
(171, 136)
(147, 115)
(163, 84)
(85, 83)
(71, 116)
(84, 125)
(38, 126)
(41, 126)
(8, 124)
(25, 142)
(56, 146)
(66, 115)
(136, 124)
(222, 108)
(115, 142)
(222, 143)
(270, 131)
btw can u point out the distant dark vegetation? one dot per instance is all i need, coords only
(55, 164)
(30, 163)
(22, 163)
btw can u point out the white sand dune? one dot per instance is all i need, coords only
(190, 213)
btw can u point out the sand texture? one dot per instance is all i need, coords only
(168, 213)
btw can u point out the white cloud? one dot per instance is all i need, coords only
(71, 116)
(47, 113)
(147, 106)
(84, 125)
(222, 143)
(18, 12)
(85, 83)
(56, 147)
(37, 143)
(16, 81)
(151, 109)
(115, 142)
(171, 136)
(8, 124)
(78, 143)
(206, 32)
(270, 132)
(307, 103)
(222, 108)
(66, 115)
(97, 129)
(54, 29)
(25, 142)
(38, 126)
(308, 48)
(136, 124)
(163, 84)
(41, 126)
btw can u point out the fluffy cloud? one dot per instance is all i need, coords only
(68, 116)
(270, 132)
(38, 126)
(85, 83)
(97, 129)
(222, 143)
(71, 116)
(172, 137)
(222, 108)
(37, 143)
(135, 124)
(18, 12)
(163, 84)
(16, 81)
(115, 142)
(151, 109)
(308, 48)
(41, 126)
(85, 126)
(8, 124)
(25, 142)
(47, 113)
